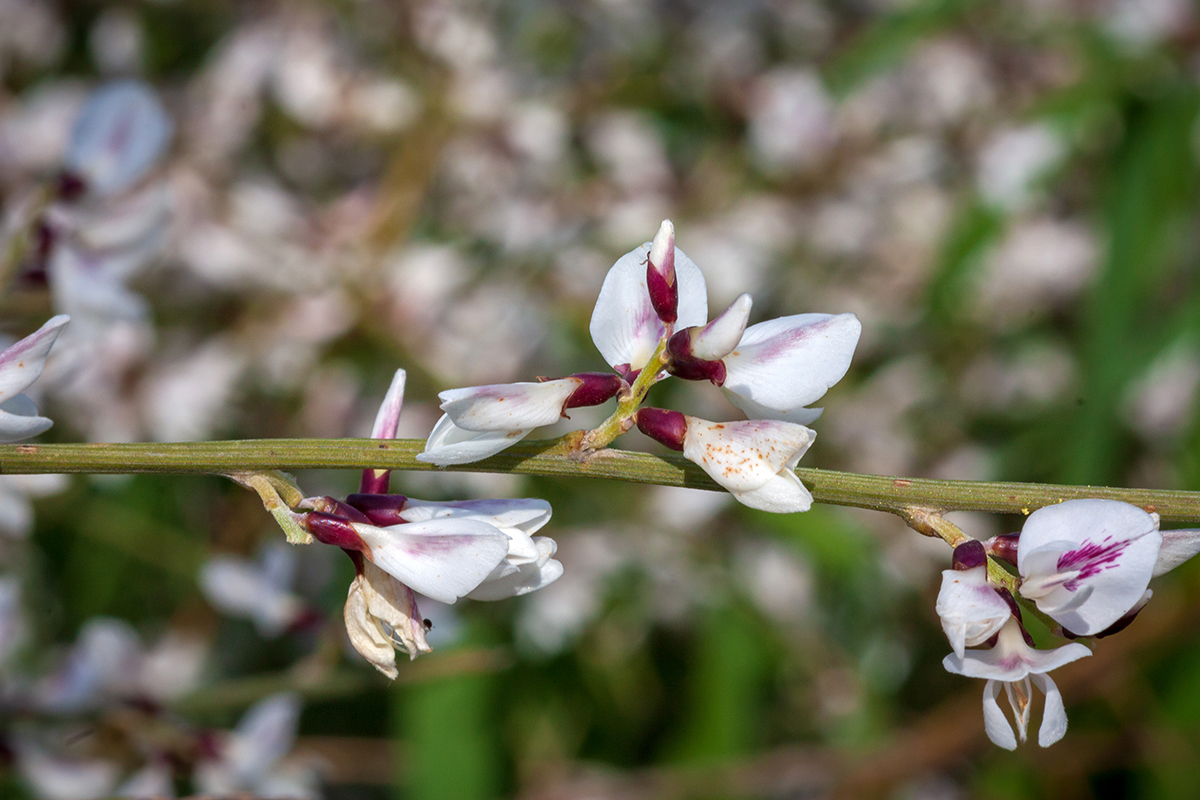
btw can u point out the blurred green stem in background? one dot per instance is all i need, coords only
(544, 457)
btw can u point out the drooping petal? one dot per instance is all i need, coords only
(19, 419)
(744, 456)
(786, 363)
(119, 135)
(524, 578)
(526, 514)
(1107, 545)
(443, 558)
(753, 410)
(508, 406)
(22, 363)
(970, 610)
(1011, 659)
(366, 634)
(1054, 714)
(782, 494)
(449, 444)
(388, 417)
(624, 326)
(995, 724)
(381, 615)
(1177, 547)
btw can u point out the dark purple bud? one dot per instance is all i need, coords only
(596, 388)
(375, 481)
(661, 425)
(336, 508)
(336, 531)
(696, 369)
(70, 186)
(660, 274)
(382, 510)
(627, 372)
(1004, 547)
(969, 555)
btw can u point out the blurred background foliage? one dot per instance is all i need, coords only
(1004, 192)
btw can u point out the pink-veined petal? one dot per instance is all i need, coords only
(625, 327)
(443, 558)
(744, 456)
(995, 724)
(22, 363)
(970, 610)
(1177, 547)
(526, 514)
(449, 444)
(1011, 659)
(508, 406)
(1054, 714)
(783, 364)
(1105, 544)
(387, 419)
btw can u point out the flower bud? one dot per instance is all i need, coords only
(660, 274)
(382, 510)
(663, 426)
(969, 555)
(594, 389)
(1004, 547)
(336, 531)
(720, 337)
(335, 508)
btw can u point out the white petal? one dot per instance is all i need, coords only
(789, 362)
(152, 781)
(263, 736)
(800, 416)
(1177, 547)
(449, 444)
(1054, 715)
(744, 456)
(63, 779)
(1011, 659)
(720, 337)
(508, 406)
(365, 632)
(994, 722)
(22, 363)
(526, 514)
(525, 579)
(970, 610)
(443, 558)
(119, 135)
(1111, 546)
(241, 588)
(782, 494)
(388, 417)
(624, 326)
(19, 420)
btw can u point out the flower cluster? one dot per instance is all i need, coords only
(651, 322)
(402, 547)
(1084, 564)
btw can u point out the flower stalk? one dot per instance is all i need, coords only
(546, 458)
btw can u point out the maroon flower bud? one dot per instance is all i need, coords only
(695, 369)
(660, 274)
(375, 481)
(1004, 547)
(666, 427)
(336, 508)
(969, 555)
(596, 388)
(336, 531)
(383, 510)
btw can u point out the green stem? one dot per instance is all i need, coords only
(627, 406)
(877, 492)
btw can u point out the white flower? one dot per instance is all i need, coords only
(528, 566)
(480, 421)
(119, 135)
(1086, 563)
(625, 327)
(753, 459)
(251, 755)
(783, 364)
(381, 615)
(1014, 663)
(971, 611)
(20, 366)
(259, 591)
